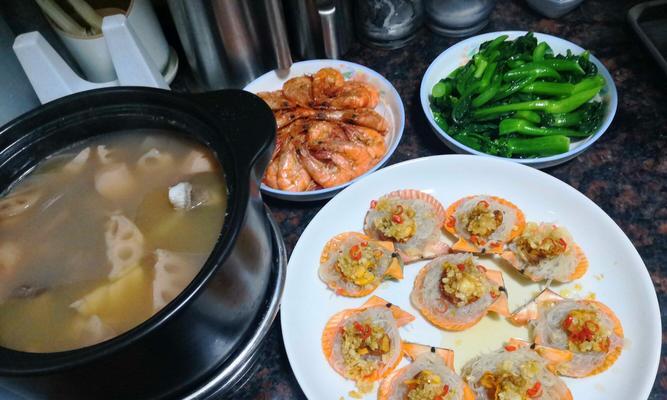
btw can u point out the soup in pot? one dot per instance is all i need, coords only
(101, 236)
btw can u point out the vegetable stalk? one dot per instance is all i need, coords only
(551, 106)
(513, 125)
(531, 116)
(539, 146)
(539, 71)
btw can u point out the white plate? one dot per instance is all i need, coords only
(617, 274)
(390, 107)
(461, 53)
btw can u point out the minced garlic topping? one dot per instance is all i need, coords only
(462, 284)
(364, 344)
(584, 332)
(481, 220)
(397, 221)
(359, 263)
(505, 384)
(426, 385)
(536, 244)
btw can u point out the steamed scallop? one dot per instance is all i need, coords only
(516, 373)
(354, 265)
(430, 376)
(546, 252)
(411, 220)
(454, 292)
(587, 330)
(363, 344)
(483, 224)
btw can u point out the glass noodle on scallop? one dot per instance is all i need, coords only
(101, 236)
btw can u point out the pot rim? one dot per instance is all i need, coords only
(238, 194)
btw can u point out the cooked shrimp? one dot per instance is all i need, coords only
(299, 90)
(326, 173)
(288, 133)
(374, 94)
(276, 100)
(352, 156)
(374, 142)
(354, 94)
(328, 132)
(271, 174)
(362, 117)
(292, 176)
(286, 117)
(327, 82)
(323, 131)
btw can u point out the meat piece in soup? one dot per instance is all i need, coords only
(95, 240)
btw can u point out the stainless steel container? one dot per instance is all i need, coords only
(458, 17)
(228, 43)
(319, 28)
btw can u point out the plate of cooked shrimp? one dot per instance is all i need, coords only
(336, 122)
(461, 277)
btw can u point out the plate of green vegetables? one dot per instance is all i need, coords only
(528, 97)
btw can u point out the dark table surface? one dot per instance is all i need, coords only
(625, 172)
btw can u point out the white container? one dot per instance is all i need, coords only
(52, 78)
(91, 52)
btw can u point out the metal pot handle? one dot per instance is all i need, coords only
(278, 33)
(327, 12)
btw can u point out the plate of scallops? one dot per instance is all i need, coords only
(460, 277)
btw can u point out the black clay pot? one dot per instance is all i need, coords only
(204, 329)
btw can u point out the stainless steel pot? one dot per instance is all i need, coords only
(319, 28)
(228, 43)
(210, 331)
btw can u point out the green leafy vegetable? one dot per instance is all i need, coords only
(515, 98)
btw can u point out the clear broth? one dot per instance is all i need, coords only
(91, 249)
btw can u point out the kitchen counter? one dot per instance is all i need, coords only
(625, 172)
